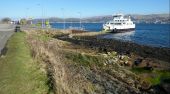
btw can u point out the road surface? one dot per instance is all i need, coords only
(6, 30)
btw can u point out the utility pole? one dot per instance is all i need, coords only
(80, 18)
(41, 14)
(64, 25)
(27, 10)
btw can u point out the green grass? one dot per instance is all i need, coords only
(154, 77)
(160, 76)
(19, 73)
(140, 70)
(85, 59)
(44, 37)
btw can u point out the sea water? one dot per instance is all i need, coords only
(156, 35)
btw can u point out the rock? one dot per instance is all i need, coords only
(145, 85)
(115, 60)
(166, 85)
(113, 53)
(130, 82)
(105, 55)
(109, 92)
(138, 61)
(109, 53)
(70, 36)
(105, 64)
(126, 62)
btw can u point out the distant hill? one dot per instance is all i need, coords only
(152, 18)
(137, 18)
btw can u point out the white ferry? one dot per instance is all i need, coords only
(119, 24)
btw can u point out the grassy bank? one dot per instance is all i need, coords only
(19, 73)
(155, 77)
(78, 70)
(79, 67)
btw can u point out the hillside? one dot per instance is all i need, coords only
(137, 18)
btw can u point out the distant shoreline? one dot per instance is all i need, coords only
(103, 22)
(76, 22)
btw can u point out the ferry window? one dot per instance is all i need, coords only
(117, 23)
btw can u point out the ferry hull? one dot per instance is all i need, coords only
(120, 30)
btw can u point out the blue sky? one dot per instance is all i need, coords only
(55, 8)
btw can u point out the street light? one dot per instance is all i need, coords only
(80, 18)
(27, 10)
(64, 26)
(42, 14)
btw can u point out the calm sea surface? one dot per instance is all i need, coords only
(157, 35)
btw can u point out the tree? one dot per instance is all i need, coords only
(47, 23)
(39, 24)
(6, 20)
(23, 21)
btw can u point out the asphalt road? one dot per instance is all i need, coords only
(6, 30)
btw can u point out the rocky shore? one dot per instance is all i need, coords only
(95, 42)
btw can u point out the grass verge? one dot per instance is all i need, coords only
(19, 73)
(85, 59)
(155, 77)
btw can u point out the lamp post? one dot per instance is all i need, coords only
(41, 14)
(80, 18)
(64, 26)
(27, 10)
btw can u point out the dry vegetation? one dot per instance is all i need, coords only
(73, 69)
